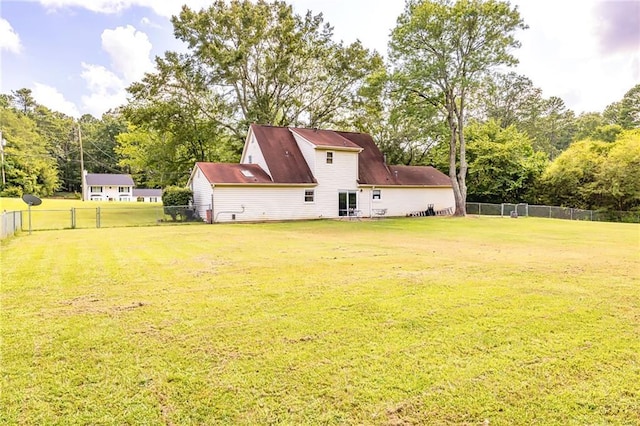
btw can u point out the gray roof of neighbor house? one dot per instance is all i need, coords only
(144, 192)
(95, 179)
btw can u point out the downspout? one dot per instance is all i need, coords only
(212, 216)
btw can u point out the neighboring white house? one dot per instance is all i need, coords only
(116, 187)
(292, 173)
(108, 187)
(147, 195)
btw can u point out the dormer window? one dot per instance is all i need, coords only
(329, 157)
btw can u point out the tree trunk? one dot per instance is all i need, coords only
(459, 192)
(453, 169)
(461, 201)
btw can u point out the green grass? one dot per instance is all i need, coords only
(56, 213)
(407, 321)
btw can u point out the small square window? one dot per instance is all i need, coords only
(329, 157)
(377, 194)
(308, 195)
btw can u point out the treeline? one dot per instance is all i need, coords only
(259, 62)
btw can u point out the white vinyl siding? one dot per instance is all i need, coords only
(342, 175)
(401, 201)
(253, 203)
(308, 152)
(201, 193)
(253, 155)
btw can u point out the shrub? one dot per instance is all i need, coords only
(12, 192)
(176, 202)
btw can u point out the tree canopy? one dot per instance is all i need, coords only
(442, 50)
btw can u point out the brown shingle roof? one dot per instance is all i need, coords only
(282, 155)
(99, 179)
(325, 138)
(419, 176)
(371, 167)
(232, 173)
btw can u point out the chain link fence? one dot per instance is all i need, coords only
(96, 217)
(552, 212)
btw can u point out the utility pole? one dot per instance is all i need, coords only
(82, 177)
(3, 143)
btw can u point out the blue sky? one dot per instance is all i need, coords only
(78, 56)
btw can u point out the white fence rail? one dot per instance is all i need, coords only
(11, 222)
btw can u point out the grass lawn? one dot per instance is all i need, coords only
(56, 213)
(397, 321)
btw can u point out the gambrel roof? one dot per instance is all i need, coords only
(282, 155)
(287, 165)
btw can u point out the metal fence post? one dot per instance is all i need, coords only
(73, 218)
(97, 217)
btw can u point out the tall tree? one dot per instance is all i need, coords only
(274, 66)
(247, 61)
(29, 166)
(626, 112)
(442, 50)
(23, 100)
(503, 166)
(58, 130)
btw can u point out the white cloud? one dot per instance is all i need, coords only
(53, 99)
(9, 39)
(166, 8)
(129, 50)
(107, 90)
(561, 53)
(149, 23)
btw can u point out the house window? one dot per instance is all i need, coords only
(153, 199)
(308, 195)
(123, 189)
(377, 194)
(96, 189)
(329, 157)
(250, 159)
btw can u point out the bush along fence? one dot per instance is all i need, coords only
(552, 212)
(96, 217)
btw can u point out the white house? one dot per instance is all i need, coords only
(293, 173)
(147, 195)
(116, 187)
(107, 187)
